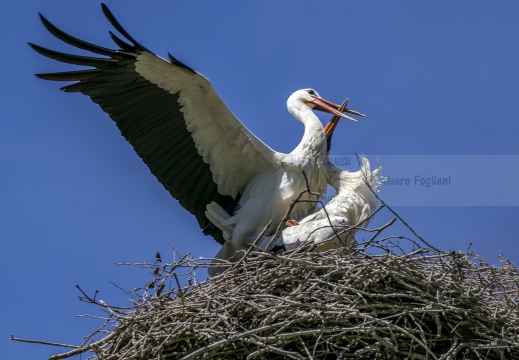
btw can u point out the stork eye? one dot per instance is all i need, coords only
(311, 92)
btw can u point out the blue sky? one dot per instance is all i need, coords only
(435, 78)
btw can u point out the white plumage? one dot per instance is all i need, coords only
(344, 214)
(189, 138)
(268, 195)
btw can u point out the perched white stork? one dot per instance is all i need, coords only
(336, 224)
(330, 227)
(190, 140)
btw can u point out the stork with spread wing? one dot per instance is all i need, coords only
(190, 140)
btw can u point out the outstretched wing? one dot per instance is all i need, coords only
(172, 117)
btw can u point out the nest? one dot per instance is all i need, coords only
(388, 298)
(377, 301)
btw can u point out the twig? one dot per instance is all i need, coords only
(394, 213)
(42, 342)
(85, 348)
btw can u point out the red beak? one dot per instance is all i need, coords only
(329, 107)
(330, 126)
(332, 108)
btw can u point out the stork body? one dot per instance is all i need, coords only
(331, 227)
(190, 140)
(336, 224)
(268, 195)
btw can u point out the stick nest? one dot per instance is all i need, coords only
(377, 301)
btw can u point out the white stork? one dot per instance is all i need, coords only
(336, 224)
(331, 227)
(190, 140)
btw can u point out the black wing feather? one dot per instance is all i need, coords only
(119, 42)
(70, 76)
(119, 28)
(179, 63)
(69, 58)
(149, 117)
(71, 40)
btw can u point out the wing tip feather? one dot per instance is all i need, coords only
(71, 40)
(115, 23)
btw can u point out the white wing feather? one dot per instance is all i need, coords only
(233, 152)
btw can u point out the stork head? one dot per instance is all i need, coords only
(310, 98)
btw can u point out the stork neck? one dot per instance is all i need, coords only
(314, 138)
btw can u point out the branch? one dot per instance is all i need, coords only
(42, 342)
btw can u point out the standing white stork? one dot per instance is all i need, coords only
(190, 140)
